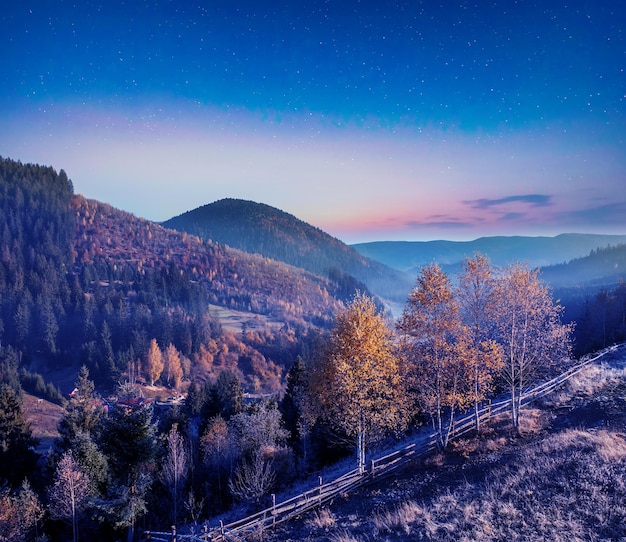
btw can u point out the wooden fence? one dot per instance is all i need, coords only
(419, 446)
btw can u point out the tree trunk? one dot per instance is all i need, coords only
(360, 450)
(74, 526)
(449, 430)
(515, 407)
(476, 405)
(518, 409)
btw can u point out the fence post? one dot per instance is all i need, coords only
(221, 527)
(320, 489)
(273, 511)
(205, 532)
(173, 539)
(372, 467)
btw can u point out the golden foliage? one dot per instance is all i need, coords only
(172, 366)
(529, 330)
(154, 362)
(358, 383)
(437, 350)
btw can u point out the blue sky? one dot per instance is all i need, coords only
(373, 121)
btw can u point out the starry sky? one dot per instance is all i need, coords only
(398, 120)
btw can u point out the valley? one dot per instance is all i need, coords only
(241, 344)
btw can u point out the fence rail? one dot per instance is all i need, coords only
(420, 446)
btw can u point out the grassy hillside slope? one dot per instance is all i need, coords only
(564, 480)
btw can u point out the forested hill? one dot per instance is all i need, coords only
(230, 277)
(38, 231)
(601, 267)
(261, 229)
(84, 283)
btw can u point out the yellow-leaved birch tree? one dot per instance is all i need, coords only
(436, 351)
(476, 298)
(357, 384)
(154, 362)
(529, 330)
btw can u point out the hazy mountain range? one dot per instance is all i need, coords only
(409, 256)
(388, 269)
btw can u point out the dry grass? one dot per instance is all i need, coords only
(532, 421)
(401, 518)
(437, 459)
(344, 536)
(464, 447)
(566, 486)
(571, 486)
(321, 519)
(44, 418)
(588, 382)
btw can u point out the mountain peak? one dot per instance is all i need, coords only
(261, 229)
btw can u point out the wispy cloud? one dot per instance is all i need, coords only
(535, 200)
(512, 216)
(442, 224)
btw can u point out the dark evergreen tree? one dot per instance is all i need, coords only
(9, 363)
(17, 458)
(293, 405)
(128, 440)
(195, 399)
(226, 397)
(83, 412)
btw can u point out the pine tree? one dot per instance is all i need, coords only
(79, 428)
(226, 396)
(17, 458)
(295, 409)
(129, 443)
(83, 412)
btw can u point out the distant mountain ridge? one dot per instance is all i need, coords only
(408, 256)
(258, 228)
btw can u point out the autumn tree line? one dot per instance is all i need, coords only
(454, 347)
(114, 473)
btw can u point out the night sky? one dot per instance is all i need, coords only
(371, 120)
